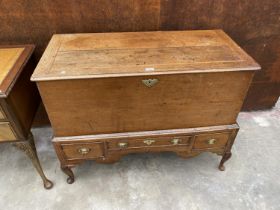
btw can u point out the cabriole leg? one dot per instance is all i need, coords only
(225, 157)
(30, 150)
(70, 174)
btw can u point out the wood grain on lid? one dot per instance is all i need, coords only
(76, 56)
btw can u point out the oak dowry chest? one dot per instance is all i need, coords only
(111, 94)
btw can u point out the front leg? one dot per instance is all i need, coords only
(225, 157)
(227, 153)
(67, 170)
(30, 150)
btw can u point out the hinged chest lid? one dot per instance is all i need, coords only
(12, 60)
(97, 55)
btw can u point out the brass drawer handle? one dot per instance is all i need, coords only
(84, 150)
(150, 82)
(149, 141)
(211, 141)
(122, 144)
(175, 141)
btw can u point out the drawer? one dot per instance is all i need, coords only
(2, 115)
(149, 142)
(83, 151)
(211, 140)
(6, 132)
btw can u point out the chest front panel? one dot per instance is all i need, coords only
(126, 104)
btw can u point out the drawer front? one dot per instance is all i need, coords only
(83, 151)
(149, 142)
(6, 132)
(211, 140)
(2, 115)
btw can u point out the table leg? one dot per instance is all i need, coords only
(69, 172)
(225, 157)
(30, 150)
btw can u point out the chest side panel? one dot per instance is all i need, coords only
(125, 104)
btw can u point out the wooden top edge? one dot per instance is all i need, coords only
(30, 46)
(136, 32)
(43, 71)
(13, 74)
(95, 76)
(150, 133)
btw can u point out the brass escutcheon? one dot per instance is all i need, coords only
(84, 150)
(149, 141)
(150, 82)
(211, 141)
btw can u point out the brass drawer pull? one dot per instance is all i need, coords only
(84, 150)
(211, 141)
(150, 82)
(175, 141)
(122, 144)
(149, 141)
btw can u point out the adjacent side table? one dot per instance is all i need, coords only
(19, 100)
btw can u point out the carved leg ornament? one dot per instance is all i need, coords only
(30, 150)
(225, 157)
(69, 172)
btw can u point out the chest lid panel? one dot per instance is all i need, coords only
(81, 56)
